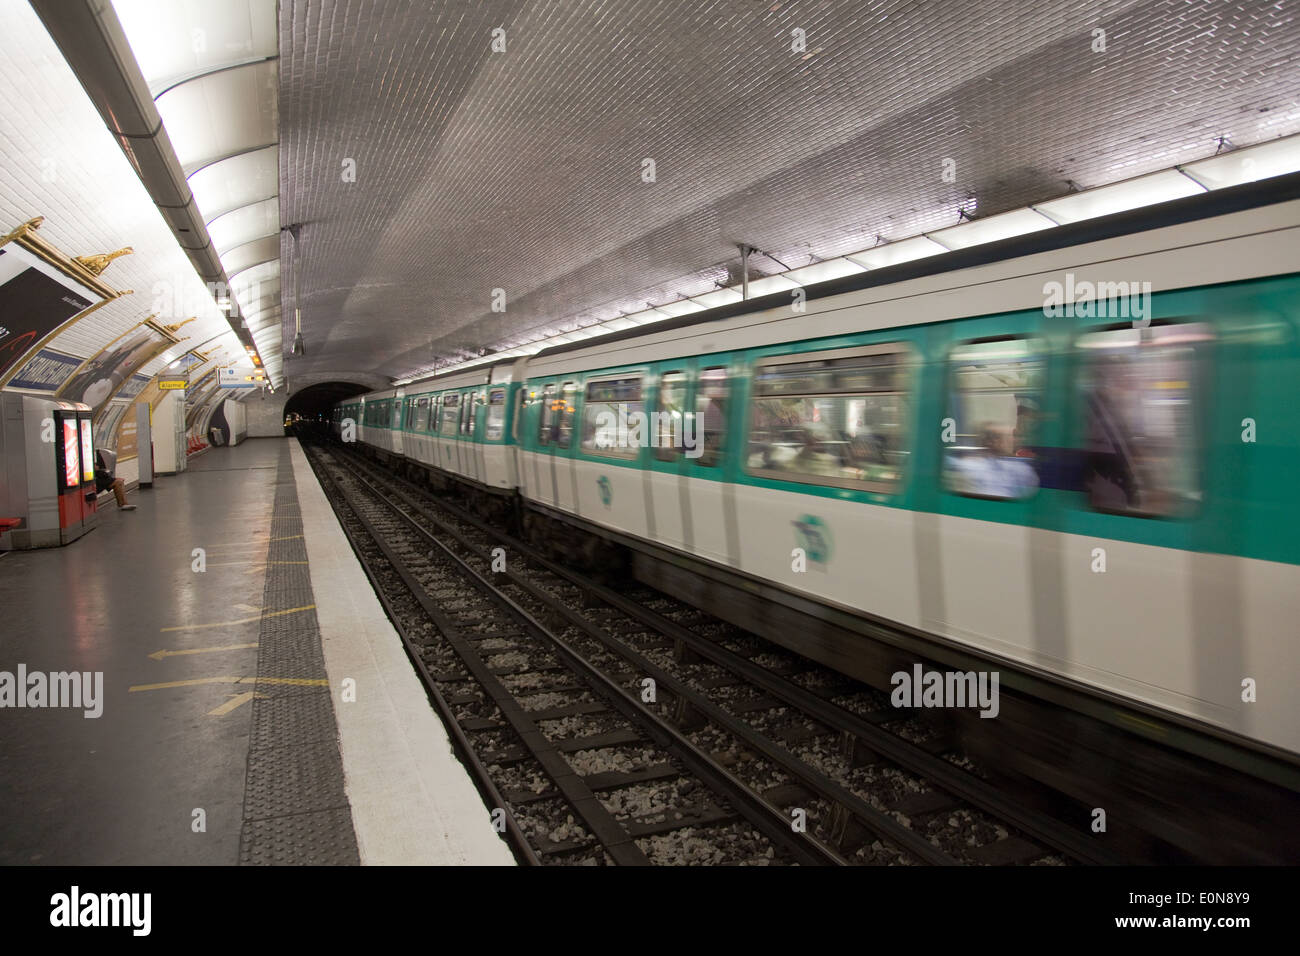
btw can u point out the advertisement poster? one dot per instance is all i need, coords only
(106, 424)
(99, 378)
(71, 465)
(127, 444)
(45, 371)
(202, 391)
(134, 386)
(87, 452)
(35, 299)
(127, 440)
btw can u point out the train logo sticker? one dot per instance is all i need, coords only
(812, 534)
(606, 490)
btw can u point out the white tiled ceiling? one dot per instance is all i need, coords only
(521, 170)
(213, 69)
(58, 161)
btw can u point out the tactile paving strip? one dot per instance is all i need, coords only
(295, 808)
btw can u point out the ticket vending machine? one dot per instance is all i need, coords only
(47, 482)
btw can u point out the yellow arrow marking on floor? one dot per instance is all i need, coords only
(242, 620)
(159, 655)
(194, 681)
(236, 700)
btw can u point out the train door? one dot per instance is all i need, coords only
(667, 496)
(517, 402)
(399, 421)
(546, 426)
(993, 390)
(478, 434)
(566, 478)
(448, 424)
(711, 510)
(433, 431)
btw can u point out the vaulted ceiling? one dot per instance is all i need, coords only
(432, 153)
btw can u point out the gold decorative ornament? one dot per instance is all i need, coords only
(97, 264)
(31, 225)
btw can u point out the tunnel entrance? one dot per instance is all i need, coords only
(309, 409)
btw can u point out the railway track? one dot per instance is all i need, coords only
(629, 790)
(813, 747)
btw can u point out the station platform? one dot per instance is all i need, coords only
(224, 734)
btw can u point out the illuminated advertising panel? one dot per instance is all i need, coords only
(71, 466)
(87, 452)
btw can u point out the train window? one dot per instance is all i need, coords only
(710, 414)
(496, 414)
(994, 404)
(450, 413)
(467, 415)
(421, 414)
(565, 407)
(546, 421)
(519, 413)
(1139, 400)
(668, 421)
(832, 418)
(612, 417)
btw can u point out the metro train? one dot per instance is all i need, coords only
(1098, 489)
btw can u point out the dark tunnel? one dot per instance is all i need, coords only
(314, 401)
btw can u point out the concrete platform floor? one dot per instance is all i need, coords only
(125, 600)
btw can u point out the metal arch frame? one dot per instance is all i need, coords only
(275, 259)
(256, 306)
(231, 155)
(247, 242)
(212, 71)
(231, 212)
(243, 205)
(263, 314)
(268, 317)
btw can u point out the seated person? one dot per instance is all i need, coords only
(994, 471)
(104, 480)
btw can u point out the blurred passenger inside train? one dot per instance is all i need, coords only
(1027, 416)
(994, 471)
(105, 481)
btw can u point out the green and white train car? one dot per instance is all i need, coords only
(1074, 452)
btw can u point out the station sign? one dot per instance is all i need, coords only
(173, 384)
(230, 378)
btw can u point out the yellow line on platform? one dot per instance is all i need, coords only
(159, 655)
(192, 682)
(288, 537)
(195, 681)
(231, 704)
(242, 620)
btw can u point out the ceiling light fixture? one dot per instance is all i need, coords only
(298, 347)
